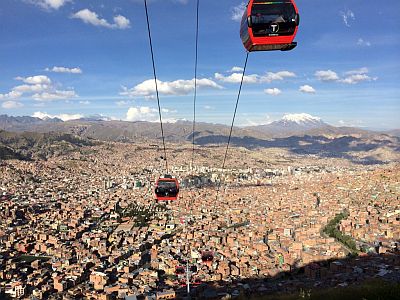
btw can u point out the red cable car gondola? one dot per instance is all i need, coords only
(269, 25)
(180, 270)
(197, 281)
(167, 188)
(207, 256)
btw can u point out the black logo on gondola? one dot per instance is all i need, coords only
(274, 27)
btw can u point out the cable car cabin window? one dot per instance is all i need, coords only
(167, 188)
(166, 184)
(273, 19)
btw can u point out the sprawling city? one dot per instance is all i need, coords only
(87, 225)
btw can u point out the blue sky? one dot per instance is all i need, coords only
(71, 58)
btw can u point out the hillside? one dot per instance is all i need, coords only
(33, 145)
(181, 131)
(300, 134)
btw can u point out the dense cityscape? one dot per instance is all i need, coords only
(189, 150)
(87, 225)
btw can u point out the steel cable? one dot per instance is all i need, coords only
(156, 84)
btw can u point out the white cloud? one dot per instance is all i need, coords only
(65, 70)
(173, 120)
(281, 75)
(208, 107)
(121, 22)
(363, 43)
(84, 102)
(273, 91)
(90, 17)
(263, 120)
(254, 78)
(142, 113)
(353, 123)
(168, 111)
(347, 17)
(64, 117)
(30, 88)
(178, 87)
(327, 75)
(351, 77)
(55, 95)
(11, 104)
(357, 78)
(147, 114)
(307, 89)
(49, 4)
(362, 70)
(238, 11)
(11, 95)
(39, 79)
(42, 92)
(41, 87)
(236, 69)
(237, 77)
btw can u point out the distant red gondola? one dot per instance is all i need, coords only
(197, 281)
(167, 188)
(180, 270)
(207, 256)
(269, 25)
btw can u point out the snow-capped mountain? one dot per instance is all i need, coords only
(301, 119)
(292, 124)
(304, 121)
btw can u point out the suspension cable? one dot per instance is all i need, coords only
(230, 133)
(156, 83)
(191, 200)
(195, 80)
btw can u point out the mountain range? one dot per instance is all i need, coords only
(301, 134)
(102, 128)
(303, 124)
